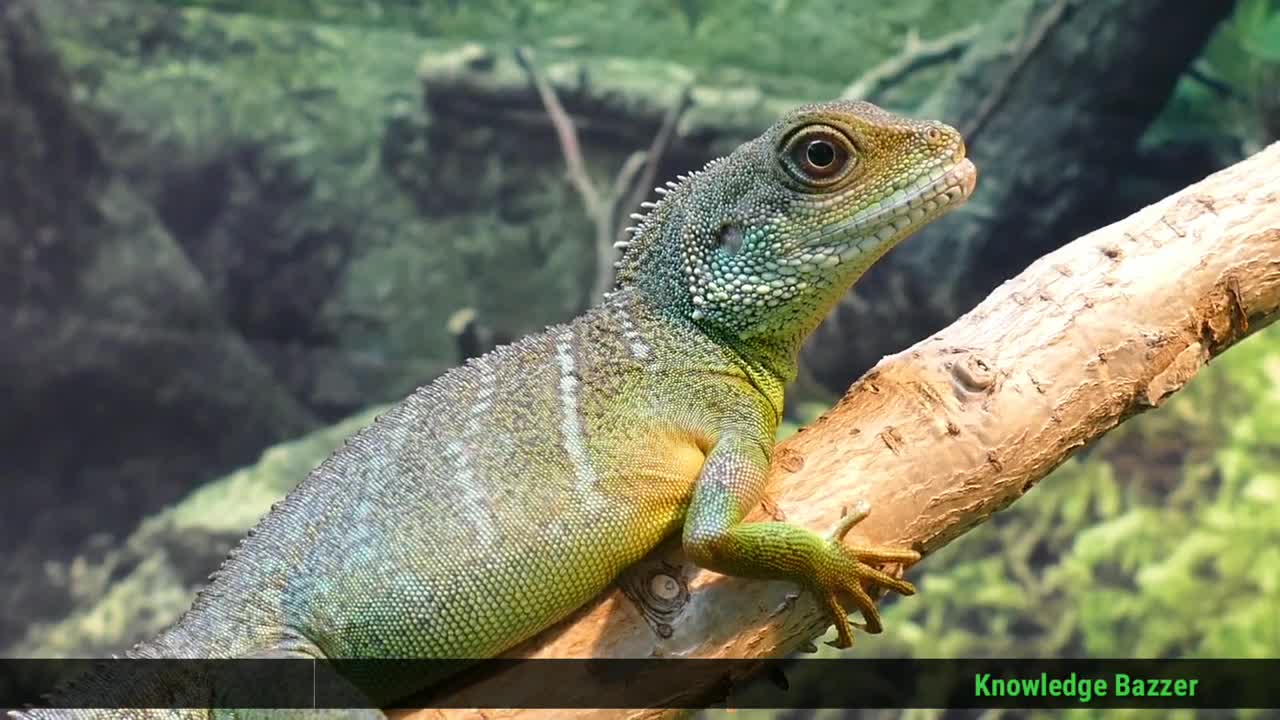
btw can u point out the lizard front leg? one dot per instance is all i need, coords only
(731, 482)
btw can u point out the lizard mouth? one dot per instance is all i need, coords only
(906, 211)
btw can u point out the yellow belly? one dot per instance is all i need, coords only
(658, 471)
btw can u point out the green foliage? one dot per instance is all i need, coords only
(1232, 96)
(1257, 24)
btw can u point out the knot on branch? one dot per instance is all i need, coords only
(659, 590)
(973, 374)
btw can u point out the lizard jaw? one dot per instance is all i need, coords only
(869, 235)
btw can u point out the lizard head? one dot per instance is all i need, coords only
(758, 245)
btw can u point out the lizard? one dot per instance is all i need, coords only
(496, 500)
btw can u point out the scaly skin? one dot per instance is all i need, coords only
(495, 501)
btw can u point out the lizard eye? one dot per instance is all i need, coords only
(818, 155)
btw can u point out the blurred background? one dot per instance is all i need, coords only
(232, 230)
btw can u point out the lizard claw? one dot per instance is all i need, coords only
(861, 510)
(849, 572)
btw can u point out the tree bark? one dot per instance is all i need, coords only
(940, 436)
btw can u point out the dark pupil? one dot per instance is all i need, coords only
(820, 153)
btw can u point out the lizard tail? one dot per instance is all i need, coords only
(112, 686)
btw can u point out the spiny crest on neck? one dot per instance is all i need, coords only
(645, 237)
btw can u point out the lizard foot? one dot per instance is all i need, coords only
(844, 570)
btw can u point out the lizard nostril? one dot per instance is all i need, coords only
(944, 138)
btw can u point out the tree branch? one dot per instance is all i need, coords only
(566, 133)
(633, 183)
(1033, 42)
(643, 184)
(916, 55)
(630, 185)
(940, 436)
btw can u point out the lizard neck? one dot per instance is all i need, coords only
(768, 364)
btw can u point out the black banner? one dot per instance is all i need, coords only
(648, 683)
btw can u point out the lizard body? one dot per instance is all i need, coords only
(493, 502)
